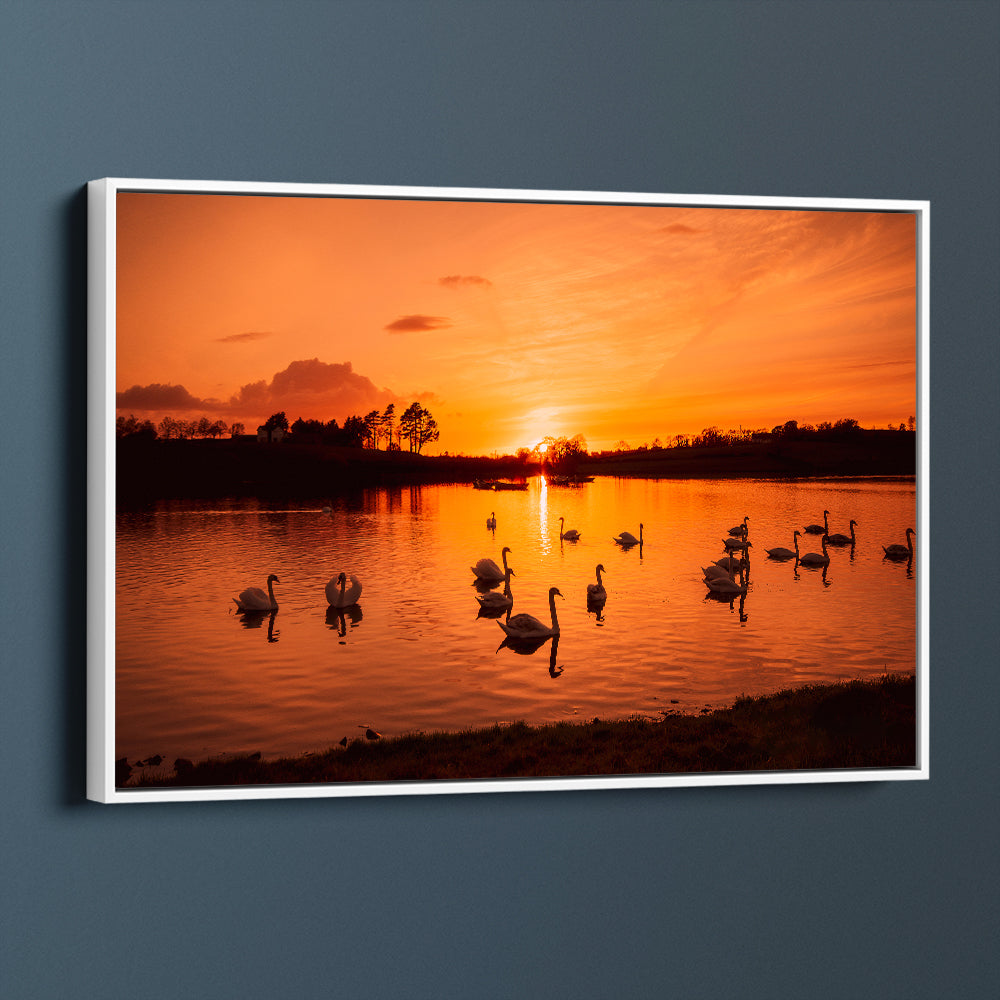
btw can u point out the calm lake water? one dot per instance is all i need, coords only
(195, 678)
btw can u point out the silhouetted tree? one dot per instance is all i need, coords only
(301, 428)
(169, 428)
(388, 422)
(276, 421)
(237, 429)
(418, 427)
(132, 427)
(372, 420)
(352, 434)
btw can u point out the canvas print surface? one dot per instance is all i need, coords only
(444, 489)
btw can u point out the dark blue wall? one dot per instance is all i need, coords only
(876, 890)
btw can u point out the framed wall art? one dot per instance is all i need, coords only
(423, 490)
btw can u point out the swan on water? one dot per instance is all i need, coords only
(736, 544)
(715, 572)
(343, 597)
(491, 521)
(740, 529)
(782, 553)
(901, 551)
(819, 529)
(487, 570)
(731, 565)
(726, 585)
(498, 602)
(842, 539)
(596, 591)
(528, 627)
(571, 536)
(814, 558)
(626, 538)
(254, 599)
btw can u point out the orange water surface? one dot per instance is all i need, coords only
(195, 678)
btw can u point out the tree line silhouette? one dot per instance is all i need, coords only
(561, 451)
(412, 429)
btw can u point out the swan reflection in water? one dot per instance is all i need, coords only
(808, 566)
(595, 607)
(337, 618)
(494, 605)
(730, 599)
(255, 619)
(527, 647)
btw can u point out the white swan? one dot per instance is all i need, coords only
(819, 529)
(842, 539)
(498, 602)
(528, 627)
(814, 558)
(740, 529)
(571, 536)
(491, 521)
(626, 538)
(596, 591)
(342, 597)
(488, 571)
(901, 551)
(254, 599)
(782, 553)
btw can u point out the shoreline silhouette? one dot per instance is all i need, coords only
(148, 470)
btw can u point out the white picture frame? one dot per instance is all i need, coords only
(101, 636)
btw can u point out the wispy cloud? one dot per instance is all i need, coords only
(418, 323)
(241, 338)
(460, 280)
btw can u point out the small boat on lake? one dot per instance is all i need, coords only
(568, 480)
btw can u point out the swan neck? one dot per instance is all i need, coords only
(270, 593)
(552, 611)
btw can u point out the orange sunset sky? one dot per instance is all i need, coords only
(511, 321)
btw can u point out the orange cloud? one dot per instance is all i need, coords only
(458, 280)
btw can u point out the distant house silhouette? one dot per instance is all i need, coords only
(272, 435)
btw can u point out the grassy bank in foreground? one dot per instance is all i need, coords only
(857, 724)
